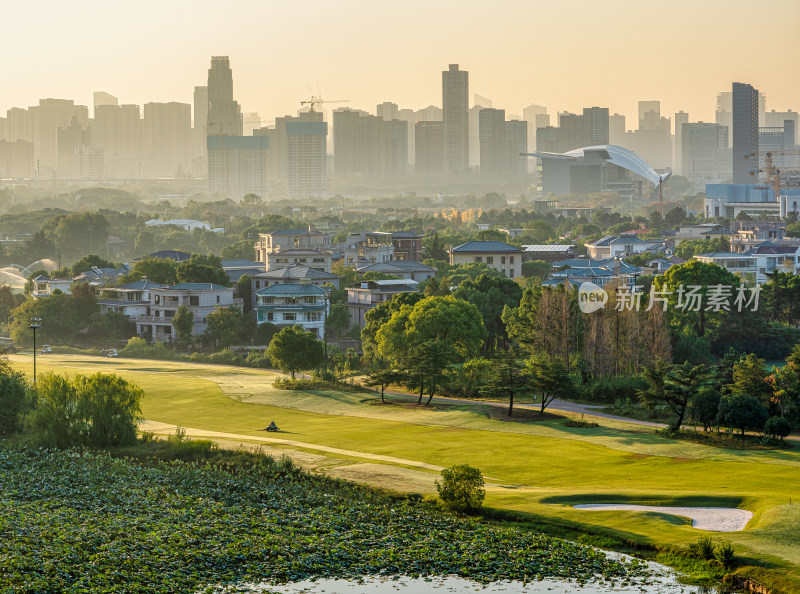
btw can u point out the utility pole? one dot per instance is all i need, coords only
(325, 330)
(35, 323)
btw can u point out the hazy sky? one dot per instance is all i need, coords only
(565, 54)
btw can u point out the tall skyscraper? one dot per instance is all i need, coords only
(595, 126)
(681, 118)
(429, 147)
(388, 111)
(723, 112)
(478, 103)
(224, 114)
(306, 155)
(704, 152)
(531, 114)
(646, 107)
(200, 132)
(616, 129)
(167, 134)
(745, 132)
(492, 134)
(455, 107)
(46, 119)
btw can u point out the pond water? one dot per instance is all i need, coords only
(452, 584)
(662, 580)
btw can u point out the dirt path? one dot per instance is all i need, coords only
(167, 429)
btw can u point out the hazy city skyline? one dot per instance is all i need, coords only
(566, 57)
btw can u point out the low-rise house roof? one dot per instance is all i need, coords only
(486, 246)
(291, 289)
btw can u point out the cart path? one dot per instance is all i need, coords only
(168, 429)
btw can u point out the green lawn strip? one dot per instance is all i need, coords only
(540, 462)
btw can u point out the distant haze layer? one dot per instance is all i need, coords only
(564, 55)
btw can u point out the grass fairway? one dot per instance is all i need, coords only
(541, 468)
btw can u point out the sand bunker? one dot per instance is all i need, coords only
(715, 519)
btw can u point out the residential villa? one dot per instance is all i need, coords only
(757, 263)
(407, 269)
(505, 258)
(368, 294)
(294, 274)
(620, 246)
(296, 304)
(200, 298)
(373, 247)
(132, 299)
(281, 249)
(407, 246)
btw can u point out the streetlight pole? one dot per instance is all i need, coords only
(325, 331)
(35, 323)
(91, 238)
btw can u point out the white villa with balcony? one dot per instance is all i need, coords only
(200, 298)
(756, 264)
(131, 299)
(296, 304)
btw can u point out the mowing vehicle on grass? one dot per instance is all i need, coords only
(47, 349)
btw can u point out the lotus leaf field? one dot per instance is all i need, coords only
(80, 522)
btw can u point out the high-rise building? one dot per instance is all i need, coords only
(680, 118)
(167, 139)
(595, 126)
(358, 143)
(492, 135)
(46, 119)
(516, 147)
(70, 140)
(704, 152)
(723, 112)
(388, 111)
(239, 165)
(117, 130)
(429, 147)
(455, 115)
(777, 139)
(478, 103)
(200, 132)
(224, 114)
(18, 125)
(250, 121)
(395, 135)
(648, 107)
(774, 119)
(616, 129)
(101, 98)
(531, 115)
(745, 132)
(306, 155)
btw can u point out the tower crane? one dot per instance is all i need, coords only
(317, 100)
(773, 173)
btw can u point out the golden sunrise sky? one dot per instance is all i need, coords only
(565, 54)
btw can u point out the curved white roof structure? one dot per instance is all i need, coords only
(616, 155)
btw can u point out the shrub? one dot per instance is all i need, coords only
(622, 387)
(138, 348)
(13, 399)
(181, 448)
(702, 549)
(461, 488)
(777, 428)
(725, 555)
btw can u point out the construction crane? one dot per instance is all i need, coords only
(773, 173)
(317, 100)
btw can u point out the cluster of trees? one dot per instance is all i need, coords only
(58, 411)
(738, 393)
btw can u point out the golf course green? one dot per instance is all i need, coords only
(541, 468)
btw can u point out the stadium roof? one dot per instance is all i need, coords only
(616, 155)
